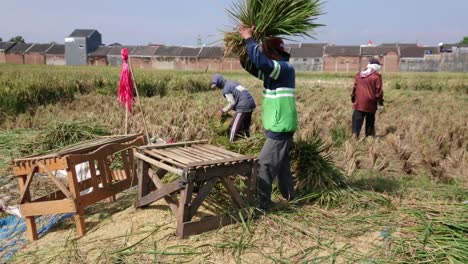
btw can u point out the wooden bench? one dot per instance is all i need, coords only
(195, 163)
(76, 194)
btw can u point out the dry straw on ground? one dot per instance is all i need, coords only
(409, 182)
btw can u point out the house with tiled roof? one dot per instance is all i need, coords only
(342, 58)
(36, 54)
(99, 56)
(4, 47)
(307, 56)
(141, 57)
(15, 55)
(114, 58)
(388, 55)
(55, 55)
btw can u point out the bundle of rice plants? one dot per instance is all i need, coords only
(317, 178)
(272, 18)
(220, 126)
(65, 134)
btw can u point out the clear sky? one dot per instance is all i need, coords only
(180, 22)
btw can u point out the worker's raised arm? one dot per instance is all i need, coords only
(260, 64)
(258, 58)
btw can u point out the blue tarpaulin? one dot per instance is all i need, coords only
(12, 232)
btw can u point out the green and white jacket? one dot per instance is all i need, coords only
(279, 114)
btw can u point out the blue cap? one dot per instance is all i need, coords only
(217, 81)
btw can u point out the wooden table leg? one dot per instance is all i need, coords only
(75, 191)
(30, 220)
(143, 178)
(184, 208)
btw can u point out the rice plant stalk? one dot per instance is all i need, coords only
(272, 18)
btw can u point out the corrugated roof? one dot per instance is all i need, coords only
(168, 51)
(20, 48)
(311, 50)
(102, 51)
(115, 51)
(40, 48)
(211, 52)
(6, 45)
(343, 50)
(56, 49)
(82, 33)
(189, 52)
(378, 50)
(143, 51)
(417, 52)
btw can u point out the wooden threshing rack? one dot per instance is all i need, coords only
(195, 163)
(75, 195)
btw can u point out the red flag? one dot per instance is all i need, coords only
(126, 83)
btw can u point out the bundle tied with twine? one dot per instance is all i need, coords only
(271, 18)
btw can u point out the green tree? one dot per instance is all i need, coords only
(17, 39)
(1, 39)
(464, 41)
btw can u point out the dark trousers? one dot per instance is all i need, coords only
(240, 126)
(358, 120)
(274, 162)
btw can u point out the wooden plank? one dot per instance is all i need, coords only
(159, 164)
(173, 204)
(75, 191)
(214, 153)
(172, 161)
(188, 199)
(94, 176)
(57, 195)
(102, 171)
(201, 196)
(31, 228)
(105, 192)
(119, 175)
(132, 164)
(206, 155)
(222, 151)
(48, 207)
(25, 167)
(220, 162)
(55, 181)
(204, 174)
(82, 147)
(106, 141)
(161, 146)
(142, 174)
(154, 196)
(181, 215)
(173, 156)
(25, 190)
(194, 154)
(182, 154)
(127, 163)
(209, 223)
(236, 198)
(105, 151)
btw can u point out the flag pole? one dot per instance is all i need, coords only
(126, 120)
(139, 102)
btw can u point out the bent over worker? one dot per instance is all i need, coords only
(240, 100)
